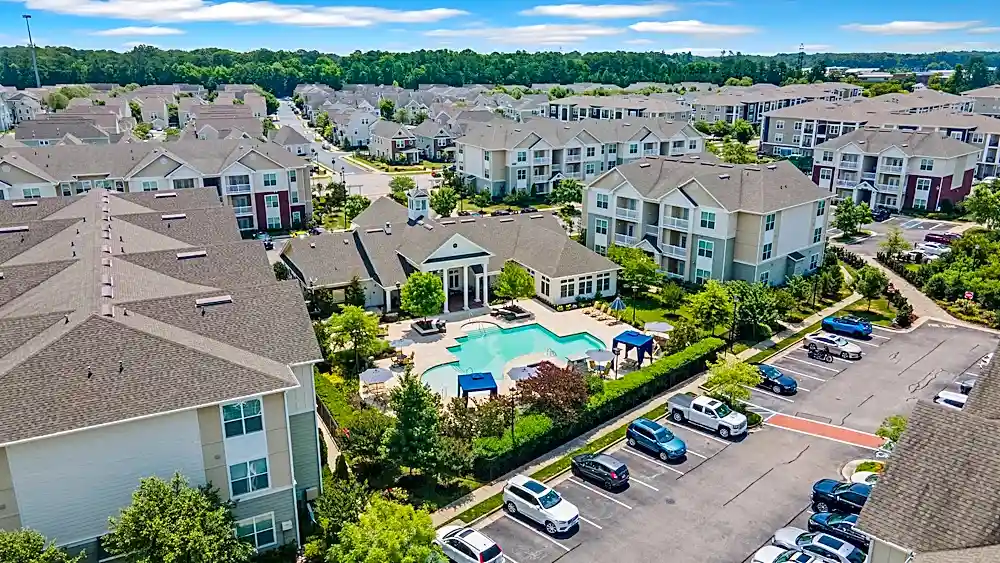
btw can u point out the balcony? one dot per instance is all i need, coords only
(675, 251)
(650, 152)
(625, 240)
(846, 183)
(849, 164)
(243, 210)
(238, 189)
(626, 213)
(573, 175)
(651, 230)
(676, 223)
(868, 176)
(573, 157)
(540, 160)
(886, 169)
(891, 188)
(540, 178)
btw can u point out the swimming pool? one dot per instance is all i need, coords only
(491, 349)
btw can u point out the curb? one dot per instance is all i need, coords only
(362, 165)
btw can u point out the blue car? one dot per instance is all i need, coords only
(773, 380)
(653, 437)
(852, 326)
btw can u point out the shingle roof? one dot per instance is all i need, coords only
(738, 187)
(388, 129)
(332, 259)
(379, 212)
(984, 399)
(911, 143)
(56, 129)
(985, 554)
(941, 488)
(505, 134)
(285, 136)
(429, 128)
(984, 92)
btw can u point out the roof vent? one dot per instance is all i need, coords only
(448, 222)
(375, 230)
(106, 261)
(428, 226)
(466, 220)
(217, 300)
(17, 229)
(107, 310)
(106, 291)
(191, 254)
(106, 248)
(165, 194)
(507, 220)
(173, 216)
(347, 241)
(643, 165)
(312, 244)
(539, 216)
(106, 279)
(1, 275)
(723, 176)
(772, 166)
(28, 203)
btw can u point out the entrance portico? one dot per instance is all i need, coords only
(461, 280)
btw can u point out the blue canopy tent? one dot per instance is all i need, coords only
(643, 343)
(472, 382)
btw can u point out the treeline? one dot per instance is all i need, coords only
(280, 71)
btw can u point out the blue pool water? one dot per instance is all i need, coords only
(490, 350)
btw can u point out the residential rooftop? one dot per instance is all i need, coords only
(910, 143)
(504, 134)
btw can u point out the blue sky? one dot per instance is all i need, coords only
(701, 26)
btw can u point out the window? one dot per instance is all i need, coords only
(706, 248)
(765, 277)
(766, 254)
(633, 148)
(825, 174)
(243, 418)
(522, 156)
(591, 151)
(244, 223)
(258, 530)
(604, 282)
(796, 139)
(927, 164)
(821, 208)
(183, 183)
(923, 184)
(273, 223)
(978, 138)
(400, 143)
(603, 201)
(241, 180)
(522, 173)
(601, 226)
(602, 250)
(567, 288)
(292, 177)
(486, 156)
(701, 276)
(271, 200)
(589, 168)
(67, 188)
(296, 218)
(149, 186)
(919, 203)
(31, 193)
(814, 261)
(827, 156)
(248, 477)
(293, 193)
(797, 126)
(613, 149)
(707, 220)
(779, 125)
(779, 138)
(545, 285)
(769, 222)
(270, 180)
(586, 286)
(692, 144)
(817, 234)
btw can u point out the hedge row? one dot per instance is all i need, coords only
(537, 434)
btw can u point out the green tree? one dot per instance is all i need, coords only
(354, 205)
(413, 442)
(685, 333)
(398, 187)
(29, 546)
(850, 216)
(799, 287)
(281, 271)
(703, 127)
(444, 201)
(353, 328)
(730, 380)
(386, 108)
(354, 293)
(712, 306)
(892, 428)
(420, 117)
(638, 269)
(321, 120)
(870, 282)
(141, 130)
(558, 392)
(172, 521)
(984, 204)
(513, 283)
(422, 295)
(365, 442)
(386, 532)
(894, 243)
(337, 193)
(401, 115)
(172, 133)
(721, 128)
(743, 131)
(342, 501)
(172, 115)
(267, 125)
(754, 306)
(136, 110)
(567, 191)
(737, 153)
(57, 101)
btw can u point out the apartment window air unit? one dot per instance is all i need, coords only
(191, 254)
(165, 194)
(17, 229)
(24, 204)
(170, 216)
(217, 300)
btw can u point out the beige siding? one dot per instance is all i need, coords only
(158, 168)
(15, 176)
(748, 228)
(9, 517)
(276, 426)
(213, 450)
(882, 552)
(256, 162)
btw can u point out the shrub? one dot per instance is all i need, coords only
(875, 466)
(528, 427)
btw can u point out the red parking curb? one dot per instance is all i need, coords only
(828, 431)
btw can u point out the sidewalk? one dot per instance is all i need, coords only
(332, 452)
(793, 328)
(923, 306)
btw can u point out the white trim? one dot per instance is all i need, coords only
(253, 520)
(222, 417)
(291, 457)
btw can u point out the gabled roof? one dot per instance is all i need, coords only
(285, 136)
(911, 143)
(430, 128)
(506, 134)
(389, 129)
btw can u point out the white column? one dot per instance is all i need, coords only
(478, 282)
(444, 280)
(465, 287)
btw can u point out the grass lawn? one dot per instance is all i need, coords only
(850, 269)
(432, 495)
(335, 221)
(849, 239)
(422, 167)
(881, 312)
(467, 205)
(649, 310)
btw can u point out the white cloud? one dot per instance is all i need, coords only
(908, 27)
(241, 12)
(600, 11)
(984, 30)
(639, 42)
(692, 27)
(545, 34)
(699, 51)
(138, 31)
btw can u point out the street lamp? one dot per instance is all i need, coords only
(635, 290)
(732, 326)
(343, 205)
(31, 44)
(616, 351)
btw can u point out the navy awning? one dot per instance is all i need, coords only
(471, 382)
(632, 339)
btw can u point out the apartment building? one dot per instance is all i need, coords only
(500, 155)
(626, 106)
(923, 101)
(51, 129)
(24, 106)
(266, 186)
(986, 100)
(705, 220)
(142, 313)
(292, 140)
(750, 104)
(896, 169)
(981, 131)
(154, 110)
(433, 140)
(393, 141)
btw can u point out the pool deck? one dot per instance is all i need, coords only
(430, 351)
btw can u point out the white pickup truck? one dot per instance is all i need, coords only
(708, 413)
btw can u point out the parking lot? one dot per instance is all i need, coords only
(726, 498)
(913, 229)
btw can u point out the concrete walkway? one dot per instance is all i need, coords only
(923, 306)
(793, 328)
(332, 452)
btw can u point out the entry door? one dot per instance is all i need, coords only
(453, 279)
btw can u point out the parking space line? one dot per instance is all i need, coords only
(939, 225)
(695, 430)
(765, 409)
(882, 328)
(508, 559)
(769, 394)
(800, 388)
(800, 373)
(534, 531)
(591, 523)
(859, 341)
(647, 485)
(596, 492)
(629, 450)
(697, 454)
(838, 358)
(811, 364)
(911, 224)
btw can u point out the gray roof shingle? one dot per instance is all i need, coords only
(911, 143)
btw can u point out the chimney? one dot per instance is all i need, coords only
(388, 228)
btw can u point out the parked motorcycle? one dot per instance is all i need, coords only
(821, 354)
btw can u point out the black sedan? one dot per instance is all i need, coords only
(841, 526)
(829, 495)
(601, 468)
(773, 380)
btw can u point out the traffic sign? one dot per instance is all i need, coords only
(968, 295)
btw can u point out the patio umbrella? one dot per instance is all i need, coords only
(400, 343)
(601, 356)
(522, 372)
(375, 376)
(618, 305)
(659, 327)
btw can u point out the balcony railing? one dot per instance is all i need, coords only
(653, 230)
(846, 183)
(891, 169)
(676, 223)
(849, 164)
(540, 178)
(243, 209)
(625, 240)
(540, 160)
(868, 176)
(626, 213)
(675, 251)
(573, 175)
(573, 157)
(650, 152)
(238, 189)
(893, 188)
